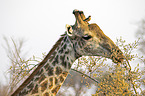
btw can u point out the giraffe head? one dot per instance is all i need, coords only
(89, 39)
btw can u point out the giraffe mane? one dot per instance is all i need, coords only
(38, 67)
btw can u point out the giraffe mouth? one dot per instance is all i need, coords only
(118, 59)
(116, 55)
(113, 53)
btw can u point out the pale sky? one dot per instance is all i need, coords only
(41, 22)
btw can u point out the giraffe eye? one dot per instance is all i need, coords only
(87, 37)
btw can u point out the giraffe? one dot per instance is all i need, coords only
(80, 39)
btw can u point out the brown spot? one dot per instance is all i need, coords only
(24, 92)
(51, 82)
(30, 86)
(37, 78)
(69, 65)
(58, 71)
(61, 50)
(49, 70)
(66, 52)
(51, 58)
(44, 86)
(62, 58)
(35, 90)
(55, 61)
(41, 78)
(46, 66)
(46, 94)
(61, 78)
(55, 90)
(64, 47)
(64, 73)
(40, 72)
(64, 64)
(56, 81)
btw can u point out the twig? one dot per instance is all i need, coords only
(85, 75)
(130, 75)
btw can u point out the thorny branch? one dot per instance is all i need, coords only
(130, 77)
(85, 75)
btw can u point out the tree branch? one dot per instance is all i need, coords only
(85, 75)
(130, 77)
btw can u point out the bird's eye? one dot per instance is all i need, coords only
(87, 37)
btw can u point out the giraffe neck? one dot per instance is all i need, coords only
(51, 76)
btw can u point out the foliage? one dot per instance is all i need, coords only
(121, 79)
(20, 68)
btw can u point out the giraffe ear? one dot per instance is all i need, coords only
(69, 30)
